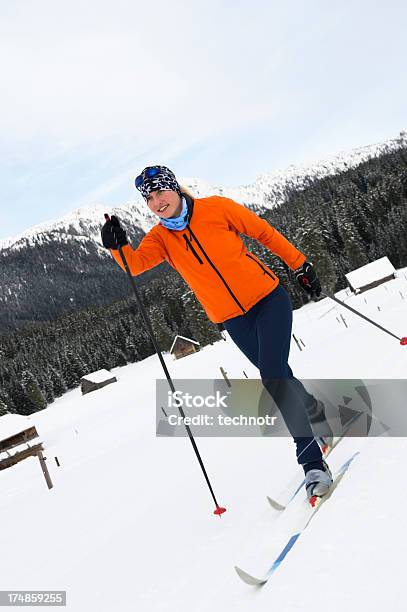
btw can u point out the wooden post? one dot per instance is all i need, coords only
(224, 374)
(17, 440)
(45, 469)
(298, 344)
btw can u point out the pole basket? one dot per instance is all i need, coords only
(219, 510)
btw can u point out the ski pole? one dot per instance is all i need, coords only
(403, 340)
(219, 510)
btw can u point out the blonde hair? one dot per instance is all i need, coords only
(186, 191)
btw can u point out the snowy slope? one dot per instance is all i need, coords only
(268, 190)
(129, 525)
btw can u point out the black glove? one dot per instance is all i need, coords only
(113, 236)
(308, 280)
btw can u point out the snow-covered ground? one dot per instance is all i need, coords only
(128, 525)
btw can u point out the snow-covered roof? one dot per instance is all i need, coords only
(183, 338)
(11, 424)
(99, 376)
(371, 272)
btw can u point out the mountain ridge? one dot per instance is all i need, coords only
(60, 267)
(268, 190)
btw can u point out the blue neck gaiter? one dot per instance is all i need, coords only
(177, 223)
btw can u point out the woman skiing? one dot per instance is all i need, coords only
(200, 239)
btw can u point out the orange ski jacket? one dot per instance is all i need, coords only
(211, 257)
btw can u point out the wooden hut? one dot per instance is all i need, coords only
(371, 275)
(181, 347)
(96, 380)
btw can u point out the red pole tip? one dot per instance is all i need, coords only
(219, 510)
(403, 341)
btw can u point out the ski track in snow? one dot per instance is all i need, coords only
(129, 524)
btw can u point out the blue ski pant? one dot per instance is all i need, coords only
(263, 334)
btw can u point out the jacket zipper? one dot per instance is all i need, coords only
(214, 268)
(265, 271)
(189, 244)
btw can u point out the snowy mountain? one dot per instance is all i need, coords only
(80, 225)
(61, 266)
(268, 190)
(129, 525)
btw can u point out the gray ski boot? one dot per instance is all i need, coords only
(318, 482)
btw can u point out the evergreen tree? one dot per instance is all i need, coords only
(4, 403)
(58, 384)
(33, 398)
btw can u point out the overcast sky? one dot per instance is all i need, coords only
(223, 90)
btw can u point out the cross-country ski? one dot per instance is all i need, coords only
(276, 505)
(309, 513)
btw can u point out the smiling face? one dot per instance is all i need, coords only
(165, 203)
